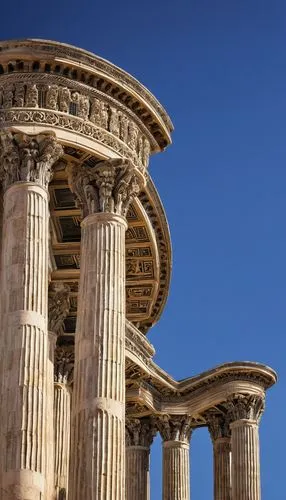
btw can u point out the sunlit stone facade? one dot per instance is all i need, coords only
(85, 271)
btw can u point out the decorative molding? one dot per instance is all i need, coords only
(27, 158)
(108, 187)
(79, 103)
(140, 432)
(108, 72)
(71, 123)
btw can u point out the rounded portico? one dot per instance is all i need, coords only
(85, 271)
(76, 136)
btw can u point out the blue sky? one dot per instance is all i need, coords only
(219, 68)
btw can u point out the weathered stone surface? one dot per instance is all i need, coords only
(245, 413)
(24, 338)
(26, 439)
(139, 437)
(176, 433)
(98, 445)
(218, 425)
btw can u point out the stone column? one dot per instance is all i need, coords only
(139, 437)
(98, 441)
(220, 434)
(176, 433)
(59, 392)
(64, 363)
(25, 170)
(244, 413)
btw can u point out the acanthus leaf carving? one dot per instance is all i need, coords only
(218, 425)
(175, 427)
(243, 406)
(110, 186)
(140, 432)
(59, 306)
(28, 158)
(64, 365)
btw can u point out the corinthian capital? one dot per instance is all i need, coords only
(64, 365)
(175, 427)
(59, 305)
(140, 432)
(218, 426)
(110, 186)
(27, 158)
(243, 406)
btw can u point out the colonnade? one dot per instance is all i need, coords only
(35, 402)
(235, 441)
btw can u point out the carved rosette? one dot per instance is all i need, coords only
(108, 187)
(27, 158)
(175, 427)
(218, 425)
(140, 432)
(64, 365)
(245, 407)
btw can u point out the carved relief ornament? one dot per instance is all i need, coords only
(218, 426)
(140, 432)
(110, 186)
(243, 406)
(27, 158)
(64, 365)
(87, 107)
(59, 305)
(175, 427)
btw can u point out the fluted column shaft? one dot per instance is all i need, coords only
(176, 470)
(50, 410)
(98, 445)
(222, 479)
(245, 460)
(62, 416)
(137, 473)
(24, 339)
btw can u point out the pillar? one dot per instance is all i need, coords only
(64, 362)
(61, 366)
(220, 434)
(98, 409)
(245, 412)
(139, 437)
(25, 170)
(176, 433)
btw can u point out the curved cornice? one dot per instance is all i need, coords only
(101, 73)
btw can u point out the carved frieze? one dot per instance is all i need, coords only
(32, 96)
(87, 108)
(27, 158)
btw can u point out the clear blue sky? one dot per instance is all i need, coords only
(219, 67)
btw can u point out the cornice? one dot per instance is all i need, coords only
(112, 79)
